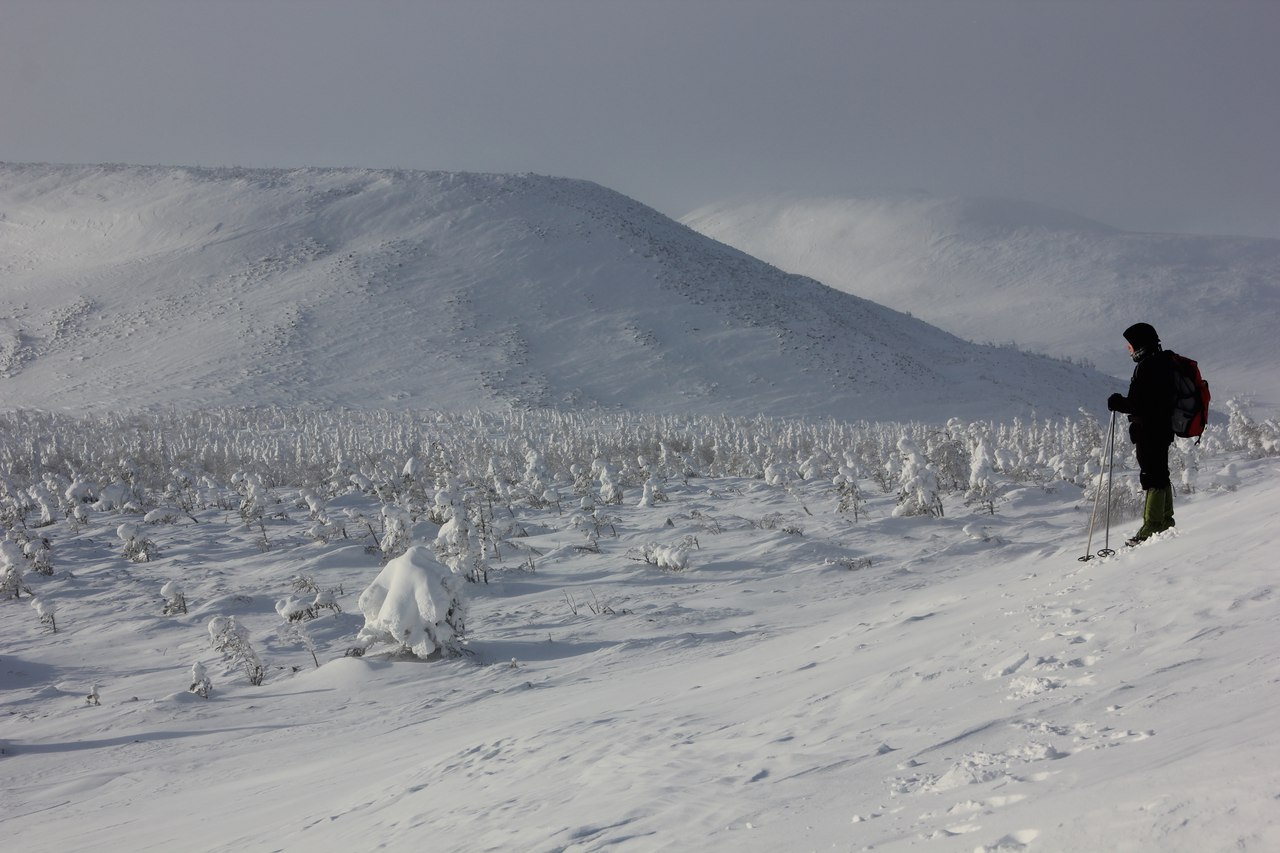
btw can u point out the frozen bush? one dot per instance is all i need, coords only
(114, 498)
(414, 604)
(175, 601)
(301, 609)
(12, 562)
(80, 492)
(918, 484)
(610, 491)
(137, 548)
(1227, 479)
(232, 639)
(983, 482)
(294, 611)
(200, 683)
(396, 524)
(163, 515)
(46, 612)
(39, 552)
(670, 558)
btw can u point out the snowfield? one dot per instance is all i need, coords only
(824, 672)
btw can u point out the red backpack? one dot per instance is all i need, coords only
(1191, 407)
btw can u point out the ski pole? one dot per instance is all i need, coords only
(1111, 464)
(1093, 516)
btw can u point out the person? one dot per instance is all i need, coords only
(1149, 405)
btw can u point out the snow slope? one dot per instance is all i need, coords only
(373, 289)
(994, 270)
(808, 682)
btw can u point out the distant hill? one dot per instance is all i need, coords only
(1051, 281)
(140, 286)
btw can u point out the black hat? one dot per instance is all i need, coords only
(1141, 335)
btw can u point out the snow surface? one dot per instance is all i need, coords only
(807, 682)
(1048, 280)
(409, 290)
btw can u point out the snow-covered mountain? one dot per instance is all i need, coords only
(140, 286)
(1050, 281)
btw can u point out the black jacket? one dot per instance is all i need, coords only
(1151, 398)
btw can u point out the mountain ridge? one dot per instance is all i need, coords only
(1048, 281)
(141, 286)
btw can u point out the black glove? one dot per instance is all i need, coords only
(1114, 402)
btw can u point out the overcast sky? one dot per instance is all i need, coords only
(1150, 115)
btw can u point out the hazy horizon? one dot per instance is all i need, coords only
(1144, 115)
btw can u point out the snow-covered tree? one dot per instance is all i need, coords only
(414, 604)
(232, 639)
(200, 683)
(983, 481)
(12, 564)
(917, 483)
(175, 600)
(610, 490)
(396, 526)
(137, 547)
(46, 612)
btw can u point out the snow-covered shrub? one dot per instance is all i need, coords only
(200, 683)
(115, 497)
(537, 479)
(291, 630)
(175, 600)
(816, 466)
(360, 524)
(255, 499)
(457, 549)
(39, 553)
(581, 479)
(46, 503)
(1244, 433)
(984, 483)
(163, 515)
(610, 490)
(232, 639)
(948, 455)
(1226, 480)
(396, 524)
(652, 493)
(137, 547)
(12, 563)
(917, 483)
(46, 611)
(851, 499)
(671, 558)
(415, 604)
(294, 609)
(182, 489)
(1189, 457)
(305, 608)
(80, 492)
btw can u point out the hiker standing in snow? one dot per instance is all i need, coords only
(1149, 405)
